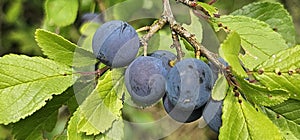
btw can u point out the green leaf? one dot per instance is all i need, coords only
(62, 50)
(240, 120)
(195, 27)
(230, 50)
(220, 88)
(281, 70)
(102, 107)
(126, 10)
(43, 120)
(258, 39)
(187, 45)
(61, 12)
(261, 95)
(115, 132)
(73, 130)
(27, 82)
(286, 117)
(211, 10)
(281, 22)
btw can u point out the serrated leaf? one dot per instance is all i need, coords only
(281, 70)
(281, 22)
(286, 117)
(195, 27)
(73, 130)
(211, 10)
(261, 95)
(230, 50)
(26, 83)
(62, 50)
(220, 88)
(61, 12)
(116, 132)
(240, 120)
(33, 127)
(258, 39)
(102, 107)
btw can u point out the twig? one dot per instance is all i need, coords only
(212, 2)
(197, 7)
(145, 28)
(177, 46)
(153, 29)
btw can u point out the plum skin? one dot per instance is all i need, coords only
(145, 80)
(212, 114)
(189, 84)
(115, 43)
(184, 116)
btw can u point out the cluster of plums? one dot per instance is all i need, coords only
(185, 86)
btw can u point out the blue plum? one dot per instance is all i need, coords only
(184, 116)
(189, 84)
(115, 43)
(145, 80)
(165, 56)
(212, 114)
(216, 70)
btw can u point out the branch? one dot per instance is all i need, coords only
(152, 30)
(177, 46)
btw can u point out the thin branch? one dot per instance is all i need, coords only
(212, 2)
(153, 29)
(177, 46)
(145, 28)
(197, 7)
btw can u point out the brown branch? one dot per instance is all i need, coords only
(152, 30)
(145, 28)
(177, 46)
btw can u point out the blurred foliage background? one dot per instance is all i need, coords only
(20, 18)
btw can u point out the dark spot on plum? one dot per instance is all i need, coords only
(203, 73)
(190, 66)
(200, 80)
